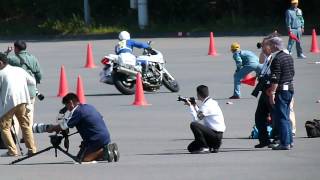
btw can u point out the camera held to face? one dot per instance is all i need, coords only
(192, 100)
(259, 45)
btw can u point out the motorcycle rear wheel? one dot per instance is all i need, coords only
(123, 85)
(172, 85)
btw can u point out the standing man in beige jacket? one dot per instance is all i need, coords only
(15, 97)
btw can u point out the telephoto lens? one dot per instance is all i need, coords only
(40, 127)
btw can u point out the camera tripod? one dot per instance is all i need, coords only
(55, 141)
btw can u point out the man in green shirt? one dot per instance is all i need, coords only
(295, 25)
(28, 62)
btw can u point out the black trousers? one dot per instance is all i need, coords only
(261, 117)
(204, 137)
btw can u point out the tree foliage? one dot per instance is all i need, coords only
(161, 12)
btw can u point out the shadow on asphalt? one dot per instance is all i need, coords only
(23, 164)
(190, 139)
(163, 154)
(222, 150)
(111, 94)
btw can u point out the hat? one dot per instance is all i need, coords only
(235, 46)
(294, 1)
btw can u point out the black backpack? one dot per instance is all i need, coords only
(313, 128)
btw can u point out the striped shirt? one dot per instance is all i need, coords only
(282, 69)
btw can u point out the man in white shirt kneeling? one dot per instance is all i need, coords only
(207, 124)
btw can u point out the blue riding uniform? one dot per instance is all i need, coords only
(295, 24)
(126, 46)
(246, 62)
(91, 127)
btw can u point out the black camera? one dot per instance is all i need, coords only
(192, 100)
(40, 96)
(259, 45)
(262, 82)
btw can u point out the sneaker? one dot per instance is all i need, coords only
(274, 144)
(115, 151)
(234, 97)
(262, 145)
(213, 150)
(291, 145)
(30, 153)
(7, 154)
(201, 151)
(302, 56)
(107, 152)
(281, 147)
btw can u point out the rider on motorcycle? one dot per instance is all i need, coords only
(124, 48)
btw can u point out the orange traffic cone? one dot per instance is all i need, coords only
(139, 99)
(249, 79)
(90, 63)
(212, 50)
(314, 42)
(63, 86)
(80, 91)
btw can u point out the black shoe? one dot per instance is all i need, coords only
(234, 97)
(115, 151)
(21, 140)
(262, 145)
(108, 153)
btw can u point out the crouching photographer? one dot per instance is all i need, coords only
(207, 123)
(96, 144)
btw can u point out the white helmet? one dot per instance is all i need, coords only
(124, 35)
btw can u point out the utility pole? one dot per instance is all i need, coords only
(142, 6)
(143, 13)
(86, 8)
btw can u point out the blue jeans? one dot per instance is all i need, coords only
(241, 73)
(281, 111)
(291, 42)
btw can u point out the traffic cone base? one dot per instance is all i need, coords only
(314, 42)
(249, 80)
(89, 63)
(63, 85)
(80, 91)
(139, 99)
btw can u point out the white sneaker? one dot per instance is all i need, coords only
(201, 151)
(302, 56)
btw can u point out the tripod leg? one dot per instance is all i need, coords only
(68, 154)
(27, 157)
(16, 137)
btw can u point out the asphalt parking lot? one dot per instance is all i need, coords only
(153, 139)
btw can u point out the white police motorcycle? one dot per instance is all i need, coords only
(119, 71)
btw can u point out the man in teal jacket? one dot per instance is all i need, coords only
(246, 62)
(28, 62)
(295, 25)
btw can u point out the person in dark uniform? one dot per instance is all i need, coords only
(96, 144)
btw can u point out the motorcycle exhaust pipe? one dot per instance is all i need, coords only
(127, 71)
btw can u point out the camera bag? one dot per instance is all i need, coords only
(255, 133)
(313, 128)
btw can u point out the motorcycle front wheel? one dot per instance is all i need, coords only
(124, 84)
(172, 85)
